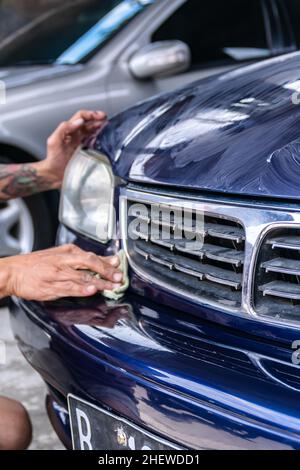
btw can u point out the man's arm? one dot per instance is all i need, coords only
(25, 180)
(57, 273)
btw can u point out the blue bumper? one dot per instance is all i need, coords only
(191, 382)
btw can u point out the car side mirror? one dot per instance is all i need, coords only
(160, 59)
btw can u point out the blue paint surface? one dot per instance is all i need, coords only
(237, 133)
(190, 381)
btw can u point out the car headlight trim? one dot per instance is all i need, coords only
(87, 198)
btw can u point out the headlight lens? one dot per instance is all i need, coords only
(87, 200)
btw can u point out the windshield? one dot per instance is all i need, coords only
(69, 33)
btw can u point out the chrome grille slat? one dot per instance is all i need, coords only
(213, 252)
(237, 285)
(172, 261)
(162, 261)
(210, 265)
(178, 228)
(225, 255)
(285, 290)
(277, 293)
(190, 272)
(228, 233)
(202, 271)
(283, 266)
(212, 229)
(166, 244)
(140, 234)
(189, 250)
(288, 242)
(142, 253)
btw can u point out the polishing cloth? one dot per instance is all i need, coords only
(117, 294)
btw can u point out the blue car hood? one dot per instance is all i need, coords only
(237, 133)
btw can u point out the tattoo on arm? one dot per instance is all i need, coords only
(21, 181)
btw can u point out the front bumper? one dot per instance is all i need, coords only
(188, 381)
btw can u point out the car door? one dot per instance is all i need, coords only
(220, 34)
(289, 11)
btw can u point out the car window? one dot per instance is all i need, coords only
(68, 33)
(292, 9)
(219, 31)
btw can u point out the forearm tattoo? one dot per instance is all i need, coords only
(20, 181)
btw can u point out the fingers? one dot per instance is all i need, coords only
(85, 278)
(94, 263)
(70, 289)
(87, 115)
(111, 260)
(82, 125)
(80, 287)
(68, 249)
(92, 128)
(84, 120)
(62, 131)
(74, 249)
(87, 122)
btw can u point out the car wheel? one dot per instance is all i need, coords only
(16, 228)
(25, 224)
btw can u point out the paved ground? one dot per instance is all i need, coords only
(19, 381)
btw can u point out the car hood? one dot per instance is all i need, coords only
(236, 133)
(15, 77)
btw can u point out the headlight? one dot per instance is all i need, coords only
(88, 195)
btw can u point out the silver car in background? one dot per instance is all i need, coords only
(109, 54)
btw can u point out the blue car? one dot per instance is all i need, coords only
(203, 350)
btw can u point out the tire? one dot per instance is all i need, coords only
(25, 224)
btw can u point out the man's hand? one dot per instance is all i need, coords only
(62, 144)
(57, 273)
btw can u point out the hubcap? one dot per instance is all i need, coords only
(16, 228)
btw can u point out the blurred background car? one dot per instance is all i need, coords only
(58, 57)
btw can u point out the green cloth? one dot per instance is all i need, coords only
(117, 294)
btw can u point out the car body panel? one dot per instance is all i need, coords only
(236, 133)
(21, 117)
(134, 365)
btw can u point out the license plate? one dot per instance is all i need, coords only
(94, 428)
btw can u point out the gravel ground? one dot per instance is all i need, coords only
(19, 381)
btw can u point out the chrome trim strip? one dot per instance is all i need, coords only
(257, 221)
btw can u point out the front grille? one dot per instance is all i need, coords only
(277, 281)
(210, 268)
